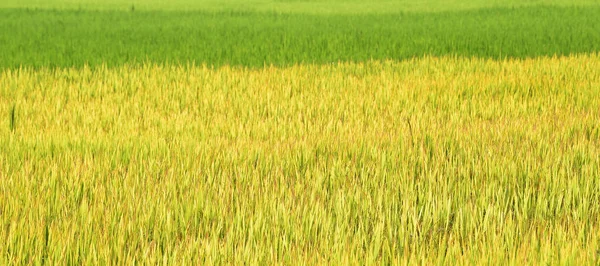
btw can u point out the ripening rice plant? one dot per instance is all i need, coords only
(427, 161)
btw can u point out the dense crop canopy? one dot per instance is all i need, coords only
(427, 160)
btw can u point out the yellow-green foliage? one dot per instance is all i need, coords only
(430, 160)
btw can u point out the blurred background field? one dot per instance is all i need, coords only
(216, 34)
(293, 6)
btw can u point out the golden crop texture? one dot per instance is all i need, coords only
(431, 160)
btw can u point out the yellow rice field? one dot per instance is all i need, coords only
(425, 161)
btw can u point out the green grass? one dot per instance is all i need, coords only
(39, 38)
(428, 161)
(292, 6)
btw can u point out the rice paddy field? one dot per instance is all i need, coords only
(331, 132)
